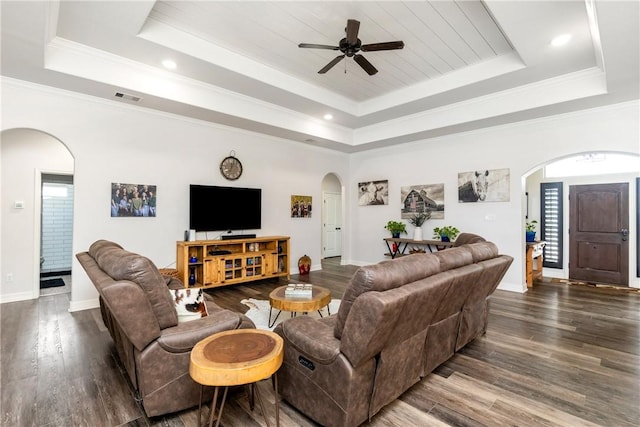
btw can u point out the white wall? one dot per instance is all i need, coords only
(521, 147)
(114, 142)
(24, 155)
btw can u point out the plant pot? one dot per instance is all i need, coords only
(530, 236)
(417, 233)
(395, 235)
(444, 238)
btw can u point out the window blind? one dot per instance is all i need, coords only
(551, 225)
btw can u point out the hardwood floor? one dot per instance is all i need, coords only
(559, 355)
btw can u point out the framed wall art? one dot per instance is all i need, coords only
(422, 199)
(301, 207)
(372, 193)
(137, 200)
(486, 185)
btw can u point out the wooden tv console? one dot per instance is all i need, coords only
(227, 262)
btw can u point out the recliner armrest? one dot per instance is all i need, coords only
(182, 338)
(311, 337)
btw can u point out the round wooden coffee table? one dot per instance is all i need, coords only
(320, 297)
(236, 357)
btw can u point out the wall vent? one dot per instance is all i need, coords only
(128, 97)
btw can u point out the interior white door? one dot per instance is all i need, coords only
(331, 224)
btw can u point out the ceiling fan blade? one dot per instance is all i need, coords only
(382, 46)
(318, 46)
(352, 31)
(331, 64)
(366, 65)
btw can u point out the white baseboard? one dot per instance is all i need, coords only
(83, 305)
(520, 288)
(18, 296)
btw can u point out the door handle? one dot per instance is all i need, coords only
(625, 234)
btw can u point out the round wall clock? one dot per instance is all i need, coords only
(230, 167)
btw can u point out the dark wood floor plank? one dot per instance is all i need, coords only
(558, 355)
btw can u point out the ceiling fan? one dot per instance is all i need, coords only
(351, 45)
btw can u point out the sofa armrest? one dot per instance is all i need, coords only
(132, 312)
(182, 338)
(311, 337)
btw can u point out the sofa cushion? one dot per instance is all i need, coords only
(482, 251)
(466, 238)
(454, 258)
(384, 276)
(124, 265)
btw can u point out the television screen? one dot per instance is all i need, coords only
(213, 208)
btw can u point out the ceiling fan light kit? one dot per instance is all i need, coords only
(351, 45)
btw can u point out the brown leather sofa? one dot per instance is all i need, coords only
(140, 314)
(398, 320)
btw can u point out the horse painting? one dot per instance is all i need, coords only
(475, 189)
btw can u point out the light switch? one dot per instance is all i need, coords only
(18, 204)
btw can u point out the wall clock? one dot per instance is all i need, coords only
(230, 167)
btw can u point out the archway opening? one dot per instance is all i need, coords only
(332, 218)
(31, 158)
(546, 200)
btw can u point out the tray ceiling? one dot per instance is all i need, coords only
(465, 65)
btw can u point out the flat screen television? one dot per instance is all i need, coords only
(213, 208)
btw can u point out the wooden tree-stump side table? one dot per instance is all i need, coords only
(236, 357)
(278, 300)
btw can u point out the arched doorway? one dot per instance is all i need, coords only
(547, 200)
(332, 217)
(28, 155)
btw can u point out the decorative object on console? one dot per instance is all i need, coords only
(373, 193)
(484, 186)
(530, 232)
(422, 199)
(231, 167)
(447, 233)
(304, 264)
(137, 200)
(417, 220)
(192, 276)
(301, 206)
(396, 228)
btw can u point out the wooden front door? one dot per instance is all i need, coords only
(598, 233)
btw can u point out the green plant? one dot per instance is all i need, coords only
(420, 218)
(531, 225)
(448, 231)
(396, 227)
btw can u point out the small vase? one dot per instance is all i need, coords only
(192, 277)
(417, 233)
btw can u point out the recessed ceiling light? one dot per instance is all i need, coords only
(561, 40)
(169, 64)
(328, 116)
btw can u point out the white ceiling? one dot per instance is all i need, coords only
(466, 64)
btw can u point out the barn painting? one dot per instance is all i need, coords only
(485, 185)
(422, 198)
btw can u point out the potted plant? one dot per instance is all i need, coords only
(446, 233)
(396, 227)
(417, 220)
(530, 232)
